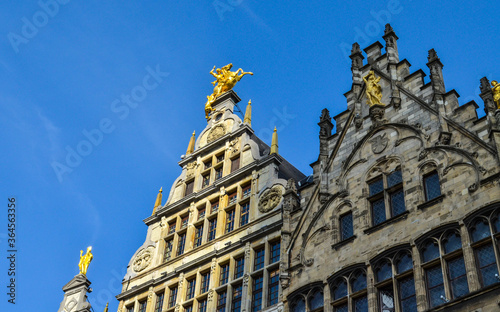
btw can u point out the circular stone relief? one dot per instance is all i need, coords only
(143, 259)
(216, 132)
(270, 199)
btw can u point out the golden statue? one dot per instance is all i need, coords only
(496, 92)
(373, 89)
(225, 81)
(85, 259)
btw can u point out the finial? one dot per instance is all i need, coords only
(388, 29)
(106, 308)
(432, 55)
(85, 259)
(485, 85)
(190, 149)
(248, 114)
(158, 200)
(274, 143)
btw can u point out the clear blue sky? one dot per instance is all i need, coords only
(62, 77)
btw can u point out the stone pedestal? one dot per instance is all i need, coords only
(75, 295)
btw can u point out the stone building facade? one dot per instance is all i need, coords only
(215, 244)
(402, 212)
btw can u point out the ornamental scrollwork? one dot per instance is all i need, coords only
(143, 259)
(270, 199)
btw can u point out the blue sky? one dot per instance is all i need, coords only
(59, 80)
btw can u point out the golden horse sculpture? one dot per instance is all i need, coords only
(496, 92)
(225, 81)
(83, 265)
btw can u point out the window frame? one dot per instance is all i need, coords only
(386, 195)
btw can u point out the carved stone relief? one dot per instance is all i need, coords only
(143, 259)
(270, 199)
(216, 132)
(379, 143)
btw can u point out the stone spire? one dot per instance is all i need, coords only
(248, 114)
(190, 149)
(106, 308)
(436, 68)
(391, 44)
(357, 62)
(274, 143)
(158, 200)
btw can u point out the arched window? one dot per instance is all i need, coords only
(313, 297)
(299, 305)
(395, 283)
(485, 234)
(349, 290)
(442, 256)
(315, 300)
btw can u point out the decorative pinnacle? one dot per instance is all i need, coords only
(158, 200)
(248, 114)
(274, 143)
(190, 149)
(106, 308)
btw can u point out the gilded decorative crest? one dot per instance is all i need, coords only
(143, 259)
(216, 132)
(270, 199)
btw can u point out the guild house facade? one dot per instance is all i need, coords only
(401, 213)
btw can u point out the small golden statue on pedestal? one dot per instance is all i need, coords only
(496, 92)
(225, 81)
(83, 265)
(373, 89)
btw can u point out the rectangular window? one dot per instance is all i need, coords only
(218, 173)
(208, 164)
(397, 200)
(245, 209)
(205, 282)
(167, 254)
(206, 180)
(458, 277)
(189, 188)
(215, 207)
(407, 295)
(386, 299)
(159, 302)
(181, 244)
(201, 213)
(221, 301)
(172, 298)
(246, 191)
(191, 286)
(275, 252)
(142, 306)
(130, 309)
(188, 309)
(202, 306)
(257, 294)
(224, 274)
(184, 222)
(274, 279)
(487, 267)
(240, 267)
(236, 304)
(346, 226)
(232, 198)
(235, 164)
(220, 158)
(198, 235)
(361, 304)
(376, 187)
(378, 211)
(212, 228)
(435, 286)
(432, 186)
(229, 221)
(171, 228)
(259, 259)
